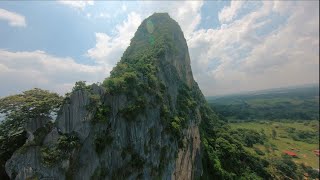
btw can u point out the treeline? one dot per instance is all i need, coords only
(245, 111)
(294, 104)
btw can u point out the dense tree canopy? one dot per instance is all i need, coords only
(31, 103)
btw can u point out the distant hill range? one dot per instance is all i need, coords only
(292, 103)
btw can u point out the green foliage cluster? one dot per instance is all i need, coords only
(163, 159)
(313, 173)
(80, 85)
(164, 113)
(285, 167)
(274, 134)
(132, 110)
(41, 133)
(61, 150)
(74, 165)
(100, 173)
(176, 126)
(177, 121)
(185, 101)
(30, 104)
(311, 137)
(224, 155)
(8, 145)
(127, 151)
(121, 84)
(248, 137)
(247, 112)
(258, 151)
(94, 102)
(136, 162)
(102, 140)
(135, 76)
(185, 108)
(102, 113)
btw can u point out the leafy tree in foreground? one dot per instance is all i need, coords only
(30, 104)
(80, 85)
(17, 109)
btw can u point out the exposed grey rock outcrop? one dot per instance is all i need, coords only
(24, 165)
(33, 124)
(74, 116)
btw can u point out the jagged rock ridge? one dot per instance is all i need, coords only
(141, 123)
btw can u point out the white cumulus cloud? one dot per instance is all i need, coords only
(229, 12)
(23, 70)
(108, 49)
(237, 58)
(14, 19)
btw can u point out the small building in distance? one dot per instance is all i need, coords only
(290, 153)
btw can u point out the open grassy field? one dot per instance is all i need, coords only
(284, 141)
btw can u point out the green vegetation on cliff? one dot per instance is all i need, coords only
(59, 151)
(136, 75)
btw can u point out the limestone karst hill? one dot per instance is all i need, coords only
(142, 122)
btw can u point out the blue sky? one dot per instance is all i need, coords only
(234, 45)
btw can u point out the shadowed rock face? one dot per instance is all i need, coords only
(122, 136)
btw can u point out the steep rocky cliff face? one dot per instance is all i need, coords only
(141, 123)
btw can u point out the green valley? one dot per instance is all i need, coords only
(278, 126)
(284, 136)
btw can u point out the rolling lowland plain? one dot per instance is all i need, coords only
(285, 120)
